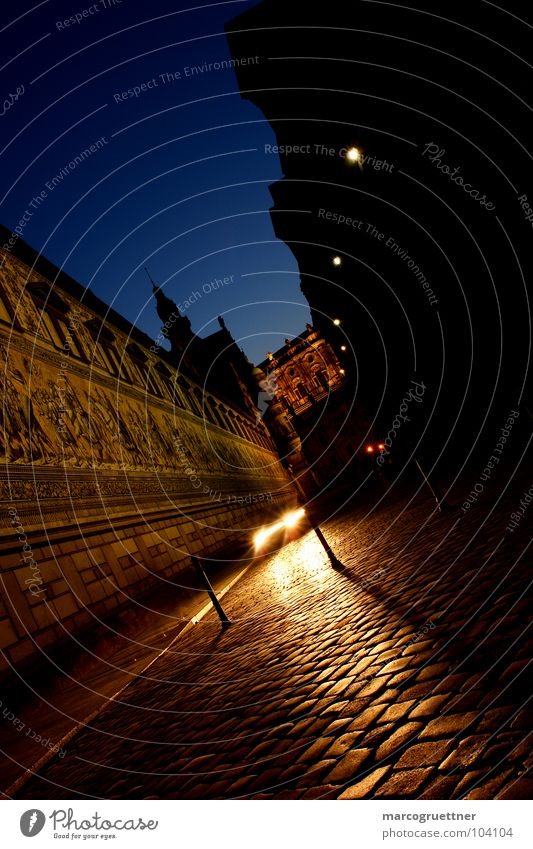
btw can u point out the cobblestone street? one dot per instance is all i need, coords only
(401, 676)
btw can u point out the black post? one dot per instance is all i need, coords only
(207, 584)
(314, 524)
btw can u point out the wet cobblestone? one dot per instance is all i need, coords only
(410, 686)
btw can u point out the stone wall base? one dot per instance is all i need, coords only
(76, 579)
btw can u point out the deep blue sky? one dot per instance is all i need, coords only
(181, 182)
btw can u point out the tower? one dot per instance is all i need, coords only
(176, 327)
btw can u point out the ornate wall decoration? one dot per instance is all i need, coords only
(69, 407)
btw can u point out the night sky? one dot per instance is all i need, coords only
(177, 180)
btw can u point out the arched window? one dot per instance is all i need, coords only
(299, 390)
(6, 312)
(56, 320)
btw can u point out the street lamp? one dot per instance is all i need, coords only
(336, 321)
(337, 260)
(343, 347)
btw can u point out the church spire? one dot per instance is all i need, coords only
(176, 327)
(166, 308)
(150, 278)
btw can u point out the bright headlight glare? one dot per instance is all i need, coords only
(262, 535)
(288, 521)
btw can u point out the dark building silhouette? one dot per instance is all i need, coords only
(426, 218)
(216, 359)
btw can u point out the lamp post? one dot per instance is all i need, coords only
(335, 562)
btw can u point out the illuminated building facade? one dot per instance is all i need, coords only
(116, 460)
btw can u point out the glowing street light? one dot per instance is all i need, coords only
(343, 347)
(337, 260)
(336, 321)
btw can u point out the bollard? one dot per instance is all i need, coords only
(207, 584)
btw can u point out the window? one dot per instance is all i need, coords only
(117, 363)
(299, 390)
(138, 361)
(240, 428)
(208, 412)
(231, 422)
(56, 321)
(165, 379)
(219, 417)
(103, 353)
(199, 401)
(322, 377)
(153, 384)
(5, 308)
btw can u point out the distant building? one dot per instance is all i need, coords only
(310, 410)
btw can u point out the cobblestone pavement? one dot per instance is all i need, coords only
(402, 676)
